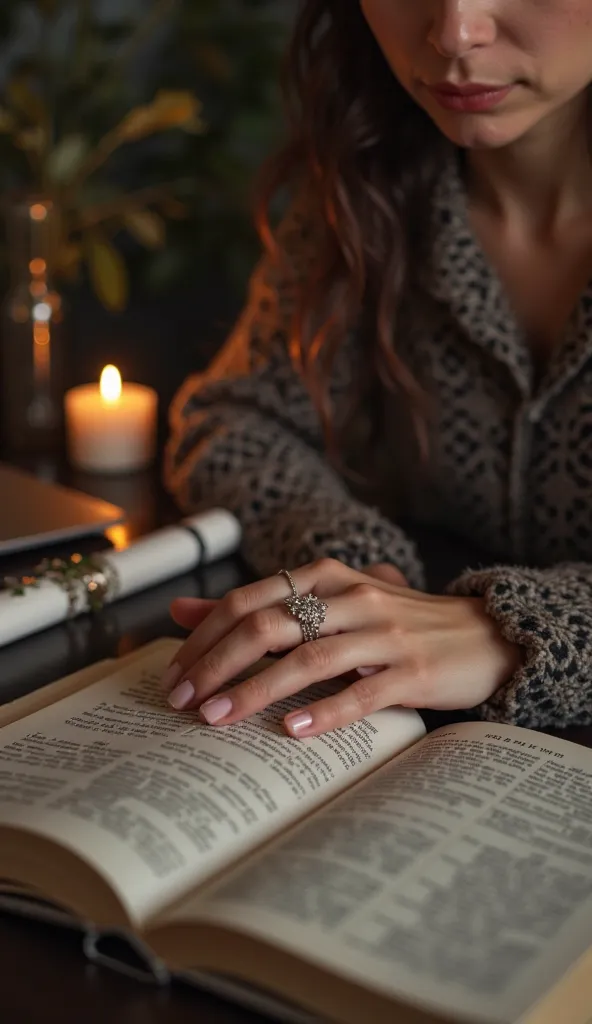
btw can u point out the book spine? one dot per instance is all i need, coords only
(126, 954)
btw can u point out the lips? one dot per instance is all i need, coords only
(469, 89)
(473, 97)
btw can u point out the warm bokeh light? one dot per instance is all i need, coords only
(38, 211)
(42, 312)
(37, 267)
(110, 385)
(41, 334)
(41, 355)
(120, 536)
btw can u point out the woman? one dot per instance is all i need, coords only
(424, 323)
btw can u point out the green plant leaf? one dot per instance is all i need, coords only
(66, 158)
(146, 227)
(169, 109)
(108, 272)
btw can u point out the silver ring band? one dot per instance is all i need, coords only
(310, 611)
(290, 579)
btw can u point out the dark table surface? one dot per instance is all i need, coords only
(44, 975)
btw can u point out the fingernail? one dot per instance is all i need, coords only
(297, 722)
(216, 709)
(182, 696)
(171, 677)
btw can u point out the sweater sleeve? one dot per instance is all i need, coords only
(246, 435)
(549, 613)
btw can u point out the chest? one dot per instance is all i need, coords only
(513, 476)
(542, 280)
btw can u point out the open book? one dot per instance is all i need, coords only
(373, 874)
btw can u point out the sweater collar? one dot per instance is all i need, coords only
(464, 281)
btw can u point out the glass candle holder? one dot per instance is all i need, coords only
(32, 356)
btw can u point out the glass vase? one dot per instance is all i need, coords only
(32, 356)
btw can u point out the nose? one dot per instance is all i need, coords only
(460, 26)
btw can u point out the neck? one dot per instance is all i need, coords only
(543, 180)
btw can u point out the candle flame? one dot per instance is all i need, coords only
(110, 385)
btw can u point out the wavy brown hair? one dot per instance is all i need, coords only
(367, 157)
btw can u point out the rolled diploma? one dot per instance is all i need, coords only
(151, 560)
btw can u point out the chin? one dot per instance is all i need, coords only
(470, 131)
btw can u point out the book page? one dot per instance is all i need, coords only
(36, 700)
(458, 877)
(154, 800)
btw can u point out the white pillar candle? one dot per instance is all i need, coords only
(111, 428)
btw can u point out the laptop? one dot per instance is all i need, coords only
(34, 513)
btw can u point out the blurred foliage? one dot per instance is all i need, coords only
(145, 130)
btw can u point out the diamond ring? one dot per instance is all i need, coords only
(310, 611)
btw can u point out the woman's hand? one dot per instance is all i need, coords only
(405, 648)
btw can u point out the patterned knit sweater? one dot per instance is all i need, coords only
(510, 463)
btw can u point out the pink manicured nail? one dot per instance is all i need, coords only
(215, 709)
(171, 677)
(299, 721)
(182, 696)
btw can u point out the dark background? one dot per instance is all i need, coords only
(184, 297)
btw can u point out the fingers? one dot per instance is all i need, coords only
(385, 689)
(189, 612)
(325, 577)
(273, 628)
(370, 670)
(312, 662)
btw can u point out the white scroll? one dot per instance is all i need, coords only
(159, 556)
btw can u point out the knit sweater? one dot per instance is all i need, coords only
(509, 466)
